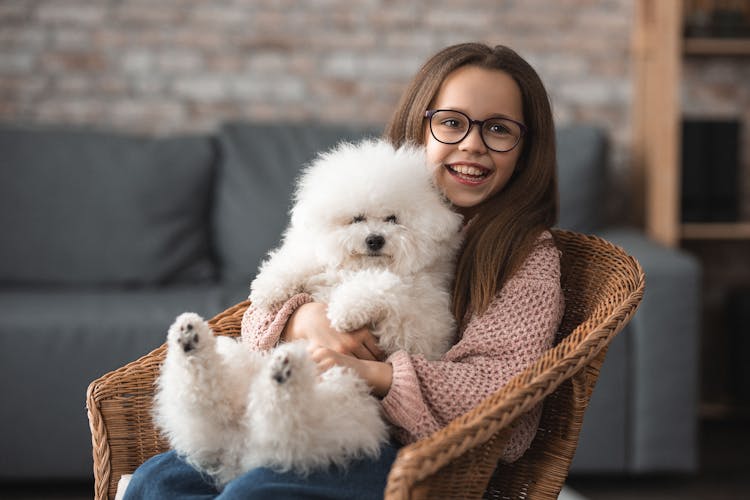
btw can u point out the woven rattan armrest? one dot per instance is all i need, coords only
(487, 425)
(459, 460)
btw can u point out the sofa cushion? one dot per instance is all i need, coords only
(581, 163)
(92, 208)
(258, 167)
(664, 346)
(54, 343)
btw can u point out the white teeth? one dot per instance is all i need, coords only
(467, 170)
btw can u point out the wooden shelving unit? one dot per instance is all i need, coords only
(715, 231)
(716, 47)
(659, 49)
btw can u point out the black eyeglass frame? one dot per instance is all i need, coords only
(480, 123)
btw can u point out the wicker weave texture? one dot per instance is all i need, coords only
(603, 287)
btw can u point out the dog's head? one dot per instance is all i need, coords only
(368, 204)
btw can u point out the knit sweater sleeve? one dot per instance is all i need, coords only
(261, 329)
(518, 326)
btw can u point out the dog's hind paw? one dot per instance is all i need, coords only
(291, 364)
(189, 333)
(281, 367)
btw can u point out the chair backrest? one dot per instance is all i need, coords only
(603, 287)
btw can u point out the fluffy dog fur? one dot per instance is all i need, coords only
(370, 236)
(227, 409)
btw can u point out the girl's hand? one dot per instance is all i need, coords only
(377, 374)
(310, 322)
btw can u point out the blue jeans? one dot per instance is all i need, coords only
(167, 476)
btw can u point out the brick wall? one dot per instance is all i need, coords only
(187, 65)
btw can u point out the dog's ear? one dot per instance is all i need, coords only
(439, 221)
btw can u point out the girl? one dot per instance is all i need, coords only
(484, 117)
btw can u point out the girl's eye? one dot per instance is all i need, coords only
(392, 219)
(358, 218)
(451, 123)
(499, 129)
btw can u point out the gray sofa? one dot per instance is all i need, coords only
(107, 237)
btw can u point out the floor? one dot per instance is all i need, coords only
(724, 472)
(724, 475)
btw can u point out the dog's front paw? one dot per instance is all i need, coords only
(268, 295)
(350, 309)
(265, 300)
(189, 334)
(347, 319)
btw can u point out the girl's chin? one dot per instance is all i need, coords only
(465, 205)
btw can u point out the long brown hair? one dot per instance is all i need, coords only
(505, 230)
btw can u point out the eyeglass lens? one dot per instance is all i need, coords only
(451, 127)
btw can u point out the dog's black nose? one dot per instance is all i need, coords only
(374, 242)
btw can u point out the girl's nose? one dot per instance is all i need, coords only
(473, 141)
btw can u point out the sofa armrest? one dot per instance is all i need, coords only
(663, 357)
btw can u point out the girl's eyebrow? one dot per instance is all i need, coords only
(491, 115)
(502, 115)
(497, 115)
(488, 117)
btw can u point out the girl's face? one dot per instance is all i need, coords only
(468, 172)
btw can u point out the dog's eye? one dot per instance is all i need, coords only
(358, 218)
(392, 219)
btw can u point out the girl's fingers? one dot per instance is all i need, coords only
(367, 345)
(371, 343)
(362, 352)
(321, 357)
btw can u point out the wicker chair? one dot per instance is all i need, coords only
(603, 287)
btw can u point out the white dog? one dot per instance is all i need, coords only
(371, 237)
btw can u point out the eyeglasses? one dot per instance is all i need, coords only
(451, 127)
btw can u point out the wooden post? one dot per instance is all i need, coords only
(657, 53)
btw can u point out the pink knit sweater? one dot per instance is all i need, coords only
(518, 326)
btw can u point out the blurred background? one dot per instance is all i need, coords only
(189, 65)
(664, 87)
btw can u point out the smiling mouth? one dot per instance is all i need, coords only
(468, 174)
